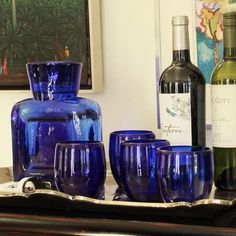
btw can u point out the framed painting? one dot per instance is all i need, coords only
(50, 30)
(209, 19)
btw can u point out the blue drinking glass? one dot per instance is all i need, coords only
(185, 173)
(138, 169)
(54, 80)
(80, 168)
(116, 138)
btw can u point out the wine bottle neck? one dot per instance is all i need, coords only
(181, 55)
(180, 42)
(229, 36)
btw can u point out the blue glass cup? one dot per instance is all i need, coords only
(80, 168)
(185, 173)
(138, 169)
(54, 80)
(116, 138)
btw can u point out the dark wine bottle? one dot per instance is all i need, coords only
(182, 93)
(223, 87)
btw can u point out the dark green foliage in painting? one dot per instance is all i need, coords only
(42, 30)
(232, 1)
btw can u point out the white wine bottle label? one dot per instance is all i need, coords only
(223, 115)
(175, 118)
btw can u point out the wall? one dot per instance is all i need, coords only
(184, 7)
(129, 97)
(129, 50)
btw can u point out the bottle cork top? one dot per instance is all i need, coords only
(180, 20)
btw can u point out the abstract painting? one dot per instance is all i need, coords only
(209, 20)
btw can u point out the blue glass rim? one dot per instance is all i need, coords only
(79, 143)
(183, 149)
(144, 142)
(54, 63)
(131, 132)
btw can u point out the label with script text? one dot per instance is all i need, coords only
(223, 100)
(175, 118)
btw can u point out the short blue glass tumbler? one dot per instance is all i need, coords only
(185, 173)
(138, 169)
(80, 168)
(54, 114)
(116, 138)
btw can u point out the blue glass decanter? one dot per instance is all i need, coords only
(54, 114)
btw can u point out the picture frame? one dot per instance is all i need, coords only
(45, 30)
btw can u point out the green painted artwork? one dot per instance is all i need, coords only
(209, 35)
(42, 30)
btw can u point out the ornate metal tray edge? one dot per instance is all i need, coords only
(81, 199)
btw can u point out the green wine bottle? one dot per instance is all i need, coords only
(223, 87)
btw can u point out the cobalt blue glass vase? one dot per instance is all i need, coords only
(54, 114)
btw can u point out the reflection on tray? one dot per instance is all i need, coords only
(115, 196)
(226, 195)
(219, 210)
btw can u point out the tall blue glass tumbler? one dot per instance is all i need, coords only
(54, 114)
(185, 173)
(80, 168)
(116, 138)
(138, 169)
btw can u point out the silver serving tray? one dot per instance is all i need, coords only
(53, 200)
(55, 195)
(218, 210)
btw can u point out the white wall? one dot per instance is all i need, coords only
(169, 8)
(129, 97)
(129, 48)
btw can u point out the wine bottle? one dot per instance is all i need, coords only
(223, 89)
(182, 93)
